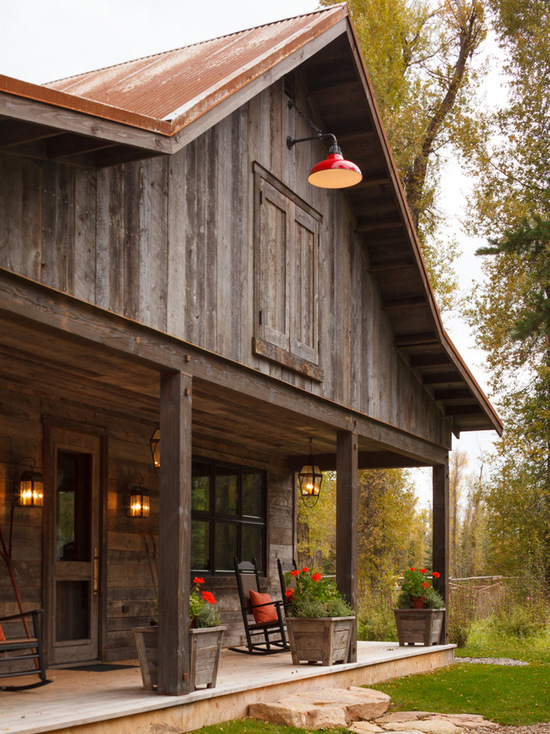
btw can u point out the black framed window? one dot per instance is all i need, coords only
(228, 516)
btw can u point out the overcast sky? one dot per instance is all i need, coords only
(44, 40)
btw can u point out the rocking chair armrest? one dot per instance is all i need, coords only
(31, 612)
(276, 602)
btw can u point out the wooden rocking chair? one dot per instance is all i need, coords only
(28, 648)
(262, 616)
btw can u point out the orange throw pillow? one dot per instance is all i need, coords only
(2, 635)
(262, 614)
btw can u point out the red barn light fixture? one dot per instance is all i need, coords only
(335, 172)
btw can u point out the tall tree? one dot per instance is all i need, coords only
(418, 54)
(511, 308)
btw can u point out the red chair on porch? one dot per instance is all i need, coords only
(263, 617)
(22, 655)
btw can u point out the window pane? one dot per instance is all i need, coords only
(200, 487)
(73, 506)
(226, 491)
(200, 545)
(252, 544)
(225, 546)
(253, 495)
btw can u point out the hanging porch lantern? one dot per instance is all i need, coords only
(310, 480)
(31, 488)
(154, 443)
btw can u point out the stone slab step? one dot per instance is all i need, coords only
(324, 708)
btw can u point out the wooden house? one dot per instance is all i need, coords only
(164, 263)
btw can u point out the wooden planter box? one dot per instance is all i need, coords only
(325, 640)
(206, 643)
(421, 626)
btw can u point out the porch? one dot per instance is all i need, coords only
(114, 700)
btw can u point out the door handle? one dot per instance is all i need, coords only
(96, 572)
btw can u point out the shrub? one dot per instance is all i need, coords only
(379, 624)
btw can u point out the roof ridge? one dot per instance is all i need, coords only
(191, 45)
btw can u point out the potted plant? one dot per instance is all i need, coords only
(319, 622)
(206, 636)
(420, 609)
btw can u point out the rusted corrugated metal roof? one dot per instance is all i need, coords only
(182, 84)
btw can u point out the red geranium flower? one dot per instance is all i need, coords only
(435, 574)
(289, 593)
(316, 577)
(198, 580)
(423, 570)
(208, 596)
(411, 568)
(305, 570)
(295, 572)
(426, 585)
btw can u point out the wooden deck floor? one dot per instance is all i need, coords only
(114, 702)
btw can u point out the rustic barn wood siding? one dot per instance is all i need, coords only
(130, 546)
(170, 242)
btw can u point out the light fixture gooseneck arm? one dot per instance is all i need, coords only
(333, 173)
(290, 141)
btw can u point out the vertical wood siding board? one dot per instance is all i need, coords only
(226, 219)
(48, 273)
(147, 247)
(202, 152)
(177, 215)
(192, 239)
(85, 234)
(132, 217)
(12, 248)
(242, 304)
(117, 240)
(276, 131)
(102, 268)
(68, 226)
(213, 234)
(31, 212)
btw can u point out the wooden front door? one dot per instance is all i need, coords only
(74, 544)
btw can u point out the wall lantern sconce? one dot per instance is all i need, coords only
(140, 503)
(334, 172)
(154, 443)
(310, 480)
(31, 486)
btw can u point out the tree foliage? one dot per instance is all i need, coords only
(511, 308)
(418, 55)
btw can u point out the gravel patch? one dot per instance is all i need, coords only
(491, 661)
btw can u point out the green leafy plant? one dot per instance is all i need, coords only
(417, 584)
(312, 595)
(202, 609)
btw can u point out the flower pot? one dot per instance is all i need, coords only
(422, 626)
(418, 602)
(325, 640)
(205, 643)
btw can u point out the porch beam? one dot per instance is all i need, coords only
(440, 486)
(174, 533)
(347, 505)
(30, 303)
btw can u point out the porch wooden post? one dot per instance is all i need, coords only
(347, 458)
(440, 486)
(174, 533)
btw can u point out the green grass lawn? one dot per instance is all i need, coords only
(509, 695)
